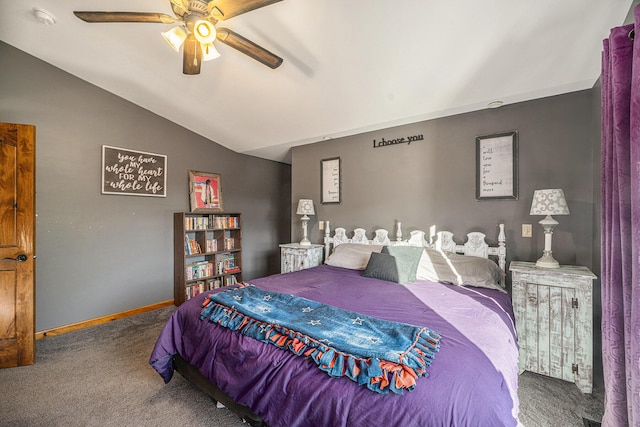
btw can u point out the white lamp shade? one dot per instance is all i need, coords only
(305, 207)
(204, 31)
(175, 37)
(209, 52)
(549, 202)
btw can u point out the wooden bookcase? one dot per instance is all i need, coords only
(207, 252)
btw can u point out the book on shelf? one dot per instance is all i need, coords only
(229, 264)
(194, 289)
(198, 270)
(224, 221)
(213, 284)
(196, 223)
(191, 246)
(201, 286)
(230, 280)
(212, 245)
(229, 243)
(206, 222)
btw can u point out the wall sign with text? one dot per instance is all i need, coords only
(398, 140)
(497, 166)
(133, 173)
(330, 188)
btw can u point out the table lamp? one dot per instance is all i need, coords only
(548, 202)
(305, 207)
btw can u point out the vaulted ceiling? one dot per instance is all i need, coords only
(350, 66)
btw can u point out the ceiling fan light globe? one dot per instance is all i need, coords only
(204, 31)
(175, 37)
(209, 52)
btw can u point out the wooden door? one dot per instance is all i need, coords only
(17, 244)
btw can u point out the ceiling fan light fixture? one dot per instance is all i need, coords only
(204, 31)
(175, 37)
(209, 52)
(196, 34)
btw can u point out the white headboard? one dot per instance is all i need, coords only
(475, 244)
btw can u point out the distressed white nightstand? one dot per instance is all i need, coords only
(295, 257)
(554, 319)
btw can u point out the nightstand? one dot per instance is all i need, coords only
(554, 319)
(295, 257)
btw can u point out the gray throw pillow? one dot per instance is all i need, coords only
(383, 267)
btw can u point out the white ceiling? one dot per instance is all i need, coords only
(350, 66)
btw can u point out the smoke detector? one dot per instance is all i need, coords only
(43, 16)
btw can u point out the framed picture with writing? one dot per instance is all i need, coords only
(133, 173)
(330, 181)
(205, 192)
(497, 166)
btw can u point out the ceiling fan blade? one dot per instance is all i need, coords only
(248, 47)
(192, 56)
(180, 7)
(93, 17)
(225, 9)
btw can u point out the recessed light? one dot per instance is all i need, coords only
(43, 16)
(495, 104)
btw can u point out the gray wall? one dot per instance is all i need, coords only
(102, 254)
(432, 182)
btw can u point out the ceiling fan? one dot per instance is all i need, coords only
(196, 29)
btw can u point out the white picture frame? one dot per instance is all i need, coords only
(497, 166)
(330, 181)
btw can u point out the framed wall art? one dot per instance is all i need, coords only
(497, 166)
(205, 192)
(133, 173)
(330, 181)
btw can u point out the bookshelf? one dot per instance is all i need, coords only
(207, 252)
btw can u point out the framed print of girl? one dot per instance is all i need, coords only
(205, 192)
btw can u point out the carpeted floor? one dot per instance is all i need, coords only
(100, 376)
(552, 402)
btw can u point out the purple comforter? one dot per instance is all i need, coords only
(472, 380)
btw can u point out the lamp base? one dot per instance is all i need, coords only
(305, 242)
(547, 261)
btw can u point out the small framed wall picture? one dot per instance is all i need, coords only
(330, 181)
(497, 166)
(205, 192)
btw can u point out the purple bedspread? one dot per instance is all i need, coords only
(472, 381)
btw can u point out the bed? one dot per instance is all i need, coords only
(456, 291)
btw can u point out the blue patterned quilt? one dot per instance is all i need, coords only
(383, 355)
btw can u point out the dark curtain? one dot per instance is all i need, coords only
(621, 225)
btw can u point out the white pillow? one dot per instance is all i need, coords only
(448, 267)
(352, 255)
